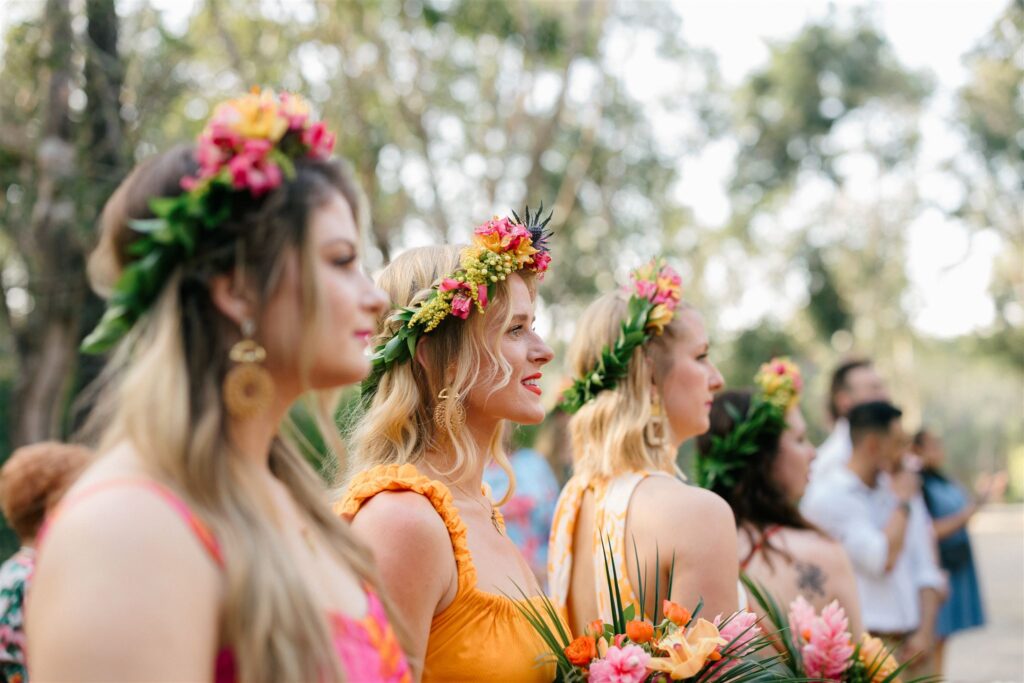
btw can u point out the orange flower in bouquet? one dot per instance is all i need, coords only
(581, 651)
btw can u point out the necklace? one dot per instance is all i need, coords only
(486, 508)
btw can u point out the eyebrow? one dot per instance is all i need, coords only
(520, 317)
(341, 240)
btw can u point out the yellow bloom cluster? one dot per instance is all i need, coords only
(433, 311)
(781, 382)
(484, 266)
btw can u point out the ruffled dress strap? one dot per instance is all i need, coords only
(385, 478)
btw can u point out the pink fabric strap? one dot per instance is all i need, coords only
(199, 528)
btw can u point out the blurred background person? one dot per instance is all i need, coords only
(529, 510)
(866, 505)
(31, 482)
(853, 382)
(951, 508)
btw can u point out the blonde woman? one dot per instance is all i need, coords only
(644, 385)
(200, 545)
(457, 360)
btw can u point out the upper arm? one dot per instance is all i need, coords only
(700, 529)
(121, 595)
(413, 554)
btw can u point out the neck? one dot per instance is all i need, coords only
(470, 476)
(253, 436)
(864, 467)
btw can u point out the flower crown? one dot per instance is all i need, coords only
(246, 150)
(500, 247)
(780, 383)
(656, 290)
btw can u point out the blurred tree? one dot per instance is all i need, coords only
(991, 112)
(62, 153)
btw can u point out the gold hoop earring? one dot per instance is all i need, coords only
(449, 414)
(248, 388)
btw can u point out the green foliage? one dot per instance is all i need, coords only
(728, 454)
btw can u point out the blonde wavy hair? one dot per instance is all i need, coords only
(161, 393)
(398, 426)
(617, 431)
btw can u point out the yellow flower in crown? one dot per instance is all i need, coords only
(781, 382)
(256, 116)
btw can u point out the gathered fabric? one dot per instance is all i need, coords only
(480, 635)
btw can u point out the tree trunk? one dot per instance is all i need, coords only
(47, 341)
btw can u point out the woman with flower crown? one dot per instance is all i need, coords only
(758, 458)
(644, 384)
(457, 359)
(200, 546)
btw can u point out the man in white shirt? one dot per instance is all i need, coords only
(871, 513)
(853, 382)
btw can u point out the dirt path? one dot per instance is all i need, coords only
(995, 653)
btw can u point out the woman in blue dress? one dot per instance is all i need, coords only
(950, 508)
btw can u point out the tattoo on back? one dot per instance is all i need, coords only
(810, 579)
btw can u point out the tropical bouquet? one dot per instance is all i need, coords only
(677, 644)
(819, 646)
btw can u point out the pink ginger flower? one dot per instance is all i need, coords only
(620, 665)
(461, 306)
(739, 633)
(801, 618)
(827, 652)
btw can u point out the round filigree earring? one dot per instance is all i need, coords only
(449, 414)
(248, 388)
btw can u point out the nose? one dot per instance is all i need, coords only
(375, 299)
(540, 352)
(715, 381)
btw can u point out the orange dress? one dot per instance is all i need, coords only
(479, 636)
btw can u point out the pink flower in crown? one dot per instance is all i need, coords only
(295, 110)
(254, 173)
(319, 140)
(827, 653)
(645, 289)
(541, 261)
(481, 294)
(448, 284)
(461, 306)
(620, 665)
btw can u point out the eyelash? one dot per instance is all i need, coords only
(342, 262)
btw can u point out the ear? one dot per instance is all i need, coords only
(230, 299)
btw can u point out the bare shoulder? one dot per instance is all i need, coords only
(818, 548)
(670, 497)
(120, 568)
(130, 528)
(406, 522)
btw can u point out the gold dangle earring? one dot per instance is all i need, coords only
(449, 412)
(248, 388)
(657, 426)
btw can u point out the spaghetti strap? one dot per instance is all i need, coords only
(761, 542)
(198, 528)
